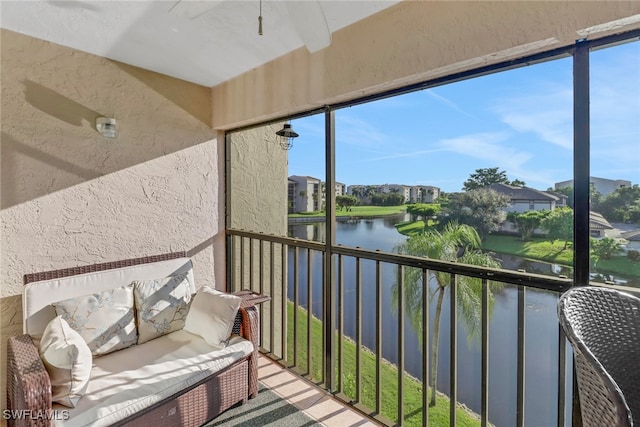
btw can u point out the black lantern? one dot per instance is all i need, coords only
(285, 136)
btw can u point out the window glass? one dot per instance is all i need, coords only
(615, 164)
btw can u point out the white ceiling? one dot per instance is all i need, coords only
(220, 43)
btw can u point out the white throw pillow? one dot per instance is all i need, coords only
(211, 316)
(161, 305)
(68, 361)
(105, 320)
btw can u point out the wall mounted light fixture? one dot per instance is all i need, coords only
(106, 126)
(286, 136)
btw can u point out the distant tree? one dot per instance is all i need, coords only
(369, 190)
(634, 212)
(604, 248)
(423, 210)
(621, 205)
(567, 191)
(444, 199)
(559, 225)
(387, 199)
(346, 201)
(594, 196)
(527, 222)
(482, 209)
(487, 176)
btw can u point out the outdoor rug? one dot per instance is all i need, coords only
(268, 409)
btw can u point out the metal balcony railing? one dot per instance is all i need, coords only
(294, 273)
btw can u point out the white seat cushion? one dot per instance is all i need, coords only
(125, 382)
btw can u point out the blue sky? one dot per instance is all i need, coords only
(518, 120)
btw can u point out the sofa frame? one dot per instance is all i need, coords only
(29, 387)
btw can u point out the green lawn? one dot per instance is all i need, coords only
(360, 211)
(438, 415)
(540, 249)
(537, 248)
(620, 265)
(410, 228)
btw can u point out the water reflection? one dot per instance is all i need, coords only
(541, 333)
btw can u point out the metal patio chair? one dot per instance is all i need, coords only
(603, 327)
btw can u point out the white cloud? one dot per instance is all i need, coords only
(547, 114)
(495, 149)
(449, 103)
(408, 154)
(354, 131)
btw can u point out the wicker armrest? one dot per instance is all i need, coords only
(28, 384)
(250, 330)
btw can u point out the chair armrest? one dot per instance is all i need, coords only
(28, 383)
(250, 330)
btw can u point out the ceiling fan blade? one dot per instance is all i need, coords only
(310, 23)
(192, 9)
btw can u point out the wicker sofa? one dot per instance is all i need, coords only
(175, 379)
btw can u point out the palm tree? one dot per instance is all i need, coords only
(456, 242)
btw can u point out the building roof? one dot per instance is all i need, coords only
(633, 235)
(301, 177)
(524, 193)
(598, 222)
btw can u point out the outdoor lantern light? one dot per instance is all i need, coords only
(285, 136)
(106, 126)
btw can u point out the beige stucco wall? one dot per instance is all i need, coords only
(70, 197)
(258, 203)
(413, 41)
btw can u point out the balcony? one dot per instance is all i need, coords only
(511, 372)
(305, 397)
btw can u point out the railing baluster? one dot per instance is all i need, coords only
(231, 276)
(272, 303)
(358, 327)
(400, 345)
(309, 312)
(283, 308)
(242, 264)
(425, 347)
(453, 356)
(562, 376)
(251, 263)
(296, 283)
(261, 291)
(378, 337)
(484, 405)
(521, 358)
(323, 301)
(340, 308)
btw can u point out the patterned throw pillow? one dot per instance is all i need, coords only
(161, 305)
(104, 320)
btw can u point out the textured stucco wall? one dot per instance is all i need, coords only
(410, 42)
(70, 197)
(258, 203)
(258, 177)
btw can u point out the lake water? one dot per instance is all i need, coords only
(541, 332)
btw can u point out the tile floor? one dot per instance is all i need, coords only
(317, 404)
